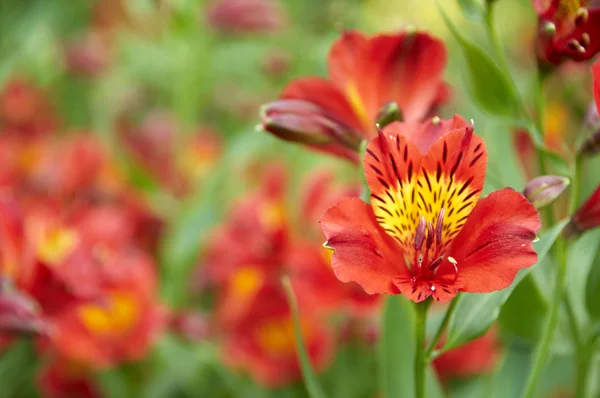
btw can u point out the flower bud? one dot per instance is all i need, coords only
(586, 217)
(389, 113)
(541, 191)
(19, 314)
(300, 121)
(192, 327)
(591, 146)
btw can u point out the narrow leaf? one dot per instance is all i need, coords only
(488, 86)
(308, 374)
(477, 312)
(592, 290)
(471, 9)
(397, 348)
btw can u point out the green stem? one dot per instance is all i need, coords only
(420, 363)
(584, 360)
(543, 348)
(442, 328)
(576, 185)
(573, 323)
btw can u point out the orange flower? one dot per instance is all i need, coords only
(425, 209)
(336, 114)
(264, 344)
(121, 323)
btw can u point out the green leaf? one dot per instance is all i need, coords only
(477, 312)
(524, 312)
(471, 9)
(308, 374)
(487, 84)
(592, 290)
(397, 348)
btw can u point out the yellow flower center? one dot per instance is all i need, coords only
(56, 244)
(118, 316)
(246, 282)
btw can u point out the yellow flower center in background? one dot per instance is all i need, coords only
(119, 315)
(277, 338)
(246, 282)
(358, 105)
(272, 215)
(56, 244)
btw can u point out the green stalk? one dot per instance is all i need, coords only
(543, 348)
(420, 362)
(443, 325)
(584, 360)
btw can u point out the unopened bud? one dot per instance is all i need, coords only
(300, 121)
(389, 113)
(19, 314)
(541, 191)
(591, 146)
(192, 327)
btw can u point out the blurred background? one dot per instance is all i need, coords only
(133, 173)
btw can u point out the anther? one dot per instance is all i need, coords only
(429, 235)
(452, 261)
(435, 263)
(439, 226)
(420, 233)
(585, 40)
(581, 16)
(436, 120)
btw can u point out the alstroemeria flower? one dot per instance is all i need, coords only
(568, 29)
(426, 231)
(365, 74)
(586, 217)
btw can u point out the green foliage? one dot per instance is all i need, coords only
(592, 292)
(477, 312)
(488, 85)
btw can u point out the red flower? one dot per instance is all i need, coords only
(264, 344)
(474, 358)
(335, 114)
(426, 210)
(586, 217)
(568, 29)
(121, 323)
(61, 378)
(246, 16)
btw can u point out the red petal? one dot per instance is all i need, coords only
(424, 135)
(406, 68)
(327, 96)
(496, 242)
(344, 57)
(596, 73)
(363, 252)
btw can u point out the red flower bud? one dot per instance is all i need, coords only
(246, 16)
(300, 121)
(586, 217)
(541, 191)
(19, 313)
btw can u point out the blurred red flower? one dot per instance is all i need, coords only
(336, 114)
(568, 29)
(425, 208)
(61, 378)
(246, 16)
(25, 110)
(477, 357)
(263, 344)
